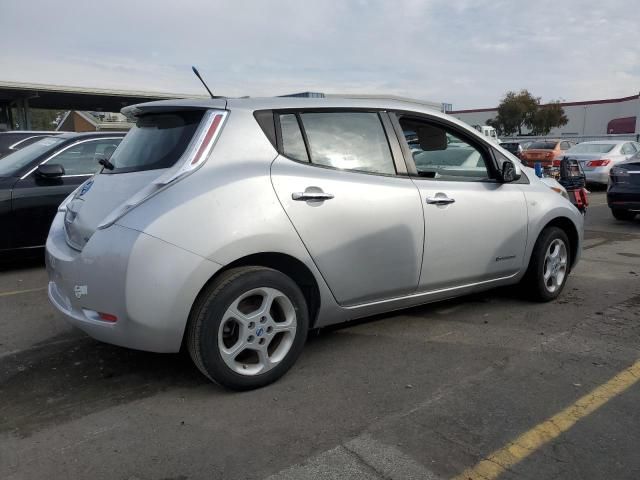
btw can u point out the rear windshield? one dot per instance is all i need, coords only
(542, 146)
(14, 162)
(592, 148)
(156, 141)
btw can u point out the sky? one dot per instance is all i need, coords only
(468, 53)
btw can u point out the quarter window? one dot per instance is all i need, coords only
(349, 141)
(441, 154)
(82, 158)
(292, 139)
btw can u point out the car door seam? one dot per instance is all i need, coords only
(424, 234)
(275, 192)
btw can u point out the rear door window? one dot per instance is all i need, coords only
(348, 141)
(14, 162)
(156, 141)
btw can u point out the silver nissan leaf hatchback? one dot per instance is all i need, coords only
(233, 226)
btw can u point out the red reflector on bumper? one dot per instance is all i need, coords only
(107, 317)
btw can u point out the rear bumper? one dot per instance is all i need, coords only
(148, 284)
(626, 197)
(597, 175)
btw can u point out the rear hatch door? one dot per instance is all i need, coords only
(155, 147)
(633, 167)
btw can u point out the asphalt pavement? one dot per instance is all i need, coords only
(485, 386)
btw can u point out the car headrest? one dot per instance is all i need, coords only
(431, 138)
(108, 151)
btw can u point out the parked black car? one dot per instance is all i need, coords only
(17, 139)
(36, 179)
(623, 192)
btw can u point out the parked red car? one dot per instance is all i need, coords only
(547, 152)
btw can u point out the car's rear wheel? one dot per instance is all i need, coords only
(622, 214)
(549, 265)
(248, 327)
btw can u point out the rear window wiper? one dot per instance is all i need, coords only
(106, 163)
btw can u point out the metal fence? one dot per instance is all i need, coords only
(633, 137)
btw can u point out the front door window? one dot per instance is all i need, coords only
(441, 154)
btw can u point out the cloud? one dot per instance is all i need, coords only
(468, 53)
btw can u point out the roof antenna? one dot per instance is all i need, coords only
(195, 70)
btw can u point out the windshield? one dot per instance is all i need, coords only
(542, 146)
(157, 141)
(14, 162)
(592, 148)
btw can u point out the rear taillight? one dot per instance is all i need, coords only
(619, 172)
(618, 175)
(598, 163)
(208, 139)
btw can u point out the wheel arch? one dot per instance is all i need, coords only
(566, 225)
(287, 264)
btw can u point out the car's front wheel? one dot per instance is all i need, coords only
(549, 265)
(248, 327)
(622, 214)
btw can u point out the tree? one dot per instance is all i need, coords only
(546, 118)
(41, 119)
(522, 109)
(514, 111)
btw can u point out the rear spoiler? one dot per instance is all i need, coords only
(165, 106)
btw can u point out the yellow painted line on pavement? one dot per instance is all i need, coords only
(18, 292)
(514, 452)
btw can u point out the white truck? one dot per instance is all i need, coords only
(488, 131)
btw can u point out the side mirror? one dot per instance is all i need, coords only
(510, 172)
(50, 171)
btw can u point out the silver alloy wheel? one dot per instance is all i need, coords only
(257, 331)
(555, 265)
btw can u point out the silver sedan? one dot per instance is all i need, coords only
(597, 158)
(233, 226)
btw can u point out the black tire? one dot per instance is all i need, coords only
(621, 214)
(533, 283)
(207, 314)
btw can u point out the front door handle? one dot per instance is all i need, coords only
(440, 200)
(308, 195)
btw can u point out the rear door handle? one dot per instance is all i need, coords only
(305, 196)
(440, 200)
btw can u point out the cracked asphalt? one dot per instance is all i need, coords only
(424, 393)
